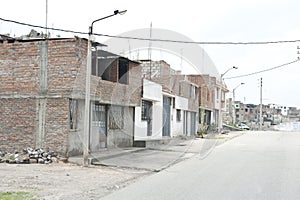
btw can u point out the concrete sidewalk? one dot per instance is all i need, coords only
(158, 157)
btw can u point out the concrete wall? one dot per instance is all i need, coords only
(122, 137)
(177, 126)
(75, 137)
(181, 104)
(151, 92)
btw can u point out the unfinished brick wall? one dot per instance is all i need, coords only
(57, 124)
(19, 64)
(37, 78)
(66, 59)
(160, 72)
(206, 89)
(17, 123)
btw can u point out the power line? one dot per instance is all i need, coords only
(155, 39)
(42, 27)
(265, 70)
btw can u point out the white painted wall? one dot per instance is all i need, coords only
(140, 128)
(176, 126)
(151, 92)
(181, 103)
(157, 120)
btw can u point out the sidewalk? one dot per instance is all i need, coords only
(158, 157)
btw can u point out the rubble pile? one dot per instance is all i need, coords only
(28, 156)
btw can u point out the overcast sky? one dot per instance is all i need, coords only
(205, 21)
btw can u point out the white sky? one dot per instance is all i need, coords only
(210, 20)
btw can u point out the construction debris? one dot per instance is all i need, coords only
(28, 156)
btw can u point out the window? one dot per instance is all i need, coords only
(146, 110)
(73, 113)
(116, 117)
(195, 92)
(123, 71)
(110, 67)
(99, 116)
(94, 69)
(207, 96)
(178, 115)
(179, 89)
(200, 96)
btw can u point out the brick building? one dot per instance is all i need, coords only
(42, 90)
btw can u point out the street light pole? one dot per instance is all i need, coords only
(233, 100)
(220, 99)
(86, 128)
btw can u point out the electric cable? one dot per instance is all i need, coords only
(265, 70)
(154, 39)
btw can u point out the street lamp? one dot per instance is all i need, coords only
(233, 100)
(86, 128)
(222, 75)
(220, 97)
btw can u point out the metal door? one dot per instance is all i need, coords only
(166, 116)
(147, 115)
(184, 128)
(98, 136)
(193, 123)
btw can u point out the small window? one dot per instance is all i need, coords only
(73, 114)
(195, 92)
(178, 115)
(123, 71)
(98, 116)
(146, 110)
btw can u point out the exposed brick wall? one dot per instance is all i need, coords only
(57, 124)
(206, 89)
(17, 123)
(31, 116)
(21, 124)
(67, 61)
(19, 63)
(160, 73)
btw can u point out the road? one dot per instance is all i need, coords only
(256, 165)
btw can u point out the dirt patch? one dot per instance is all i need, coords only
(65, 181)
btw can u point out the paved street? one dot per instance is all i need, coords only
(256, 165)
(158, 157)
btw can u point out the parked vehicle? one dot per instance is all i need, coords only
(244, 127)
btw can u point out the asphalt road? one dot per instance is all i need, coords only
(256, 165)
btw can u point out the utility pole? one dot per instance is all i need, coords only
(150, 51)
(260, 107)
(46, 29)
(220, 122)
(86, 125)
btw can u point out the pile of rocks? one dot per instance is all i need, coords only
(28, 156)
